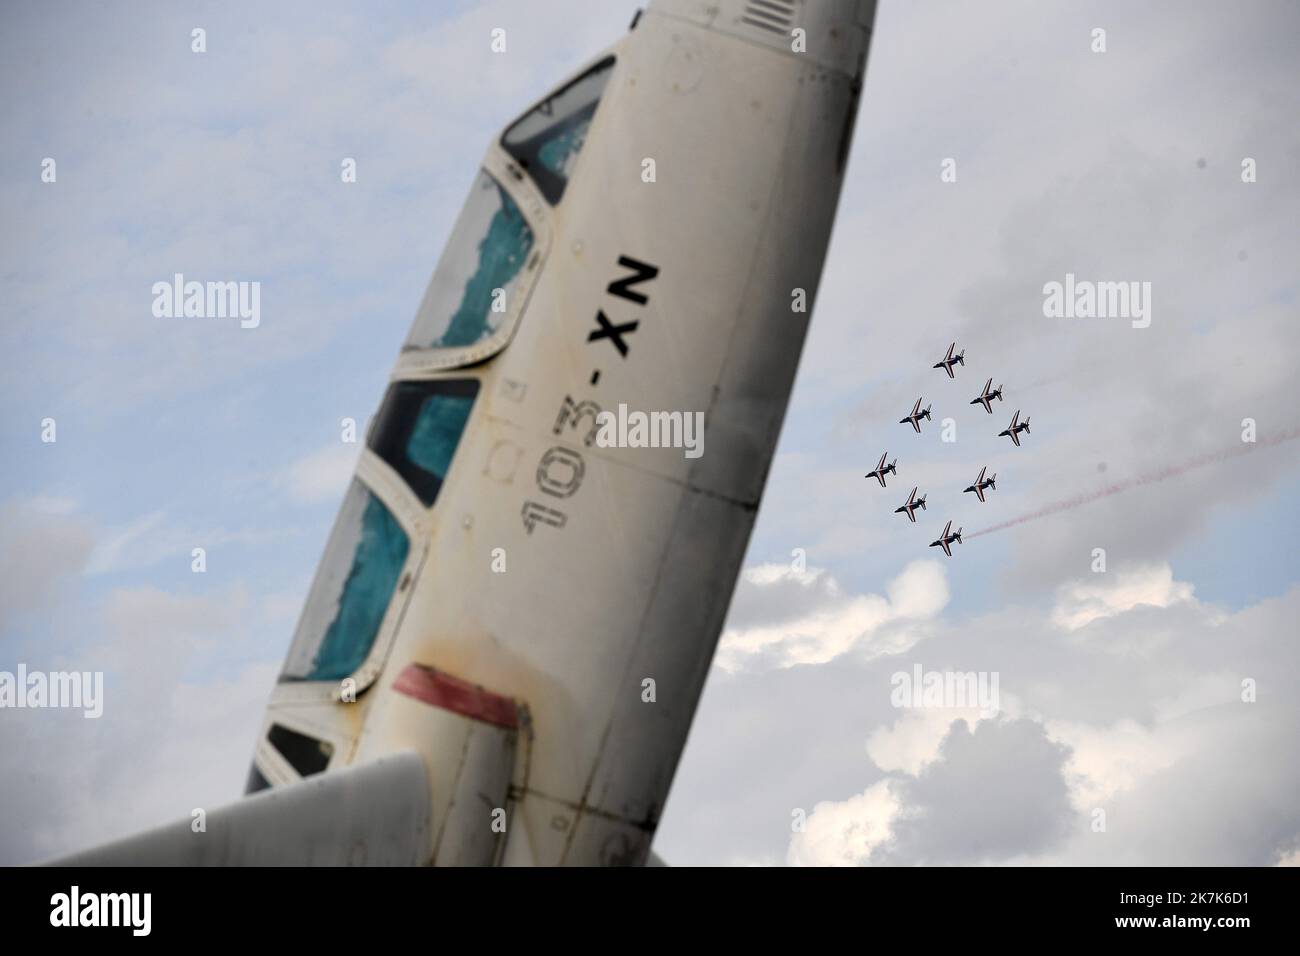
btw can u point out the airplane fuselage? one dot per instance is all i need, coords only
(550, 597)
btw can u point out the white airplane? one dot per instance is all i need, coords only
(945, 540)
(910, 505)
(948, 361)
(882, 469)
(981, 483)
(1013, 430)
(987, 396)
(917, 413)
(506, 640)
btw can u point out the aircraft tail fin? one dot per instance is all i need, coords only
(1027, 425)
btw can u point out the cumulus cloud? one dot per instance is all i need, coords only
(991, 794)
(1187, 750)
(782, 616)
(916, 738)
(1081, 603)
(847, 832)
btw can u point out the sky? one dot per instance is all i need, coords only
(1120, 690)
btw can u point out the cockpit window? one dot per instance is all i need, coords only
(418, 428)
(546, 140)
(307, 755)
(469, 294)
(355, 583)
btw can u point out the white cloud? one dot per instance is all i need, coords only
(1079, 603)
(847, 832)
(826, 621)
(1107, 760)
(914, 740)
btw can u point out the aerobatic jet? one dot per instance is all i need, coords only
(987, 396)
(882, 469)
(981, 483)
(948, 361)
(918, 413)
(946, 539)
(1012, 431)
(910, 505)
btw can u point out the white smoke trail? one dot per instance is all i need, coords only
(1172, 471)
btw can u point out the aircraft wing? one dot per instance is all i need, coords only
(372, 814)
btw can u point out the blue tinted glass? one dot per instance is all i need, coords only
(437, 432)
(546, 140)
(501, 255)
(376, 567)
(559, 151)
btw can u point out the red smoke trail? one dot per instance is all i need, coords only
(1172, 471)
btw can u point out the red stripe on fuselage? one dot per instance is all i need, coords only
(437, 689)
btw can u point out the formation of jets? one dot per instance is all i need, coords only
(982, 484)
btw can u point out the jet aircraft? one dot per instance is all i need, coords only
(910, 505)
(946, 539)
(1013, 430)
(882, 469)
(981, 483)
(987, 396)
(918, 413)
(948, 361)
